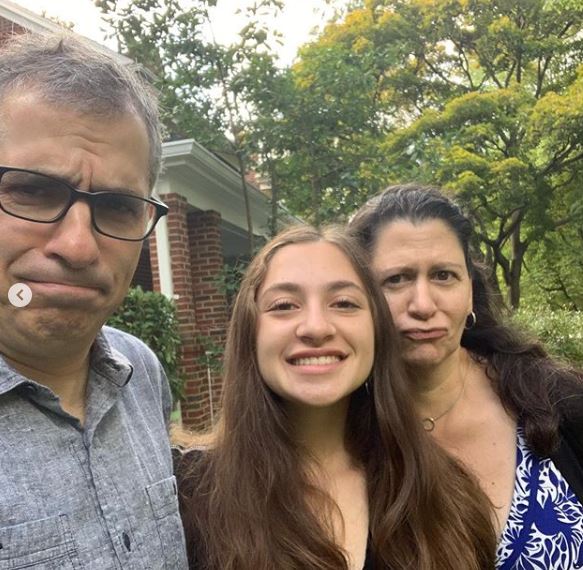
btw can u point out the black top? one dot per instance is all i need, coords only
(368, 560)
(569, 457)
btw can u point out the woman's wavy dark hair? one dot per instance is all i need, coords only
(530, 384)
(249, 502)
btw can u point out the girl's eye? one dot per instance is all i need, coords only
(281, 306)
(346, 304)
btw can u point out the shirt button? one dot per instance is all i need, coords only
(126, 541)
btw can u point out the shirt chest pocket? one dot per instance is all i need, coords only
(44, 544)
(163, 498)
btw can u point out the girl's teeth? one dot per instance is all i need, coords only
(315, 360)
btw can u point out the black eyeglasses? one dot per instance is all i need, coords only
(40, 198)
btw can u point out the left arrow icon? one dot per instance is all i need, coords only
(20, 295)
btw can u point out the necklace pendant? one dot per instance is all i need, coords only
(428, 424)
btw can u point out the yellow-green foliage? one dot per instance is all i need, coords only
(560, 330)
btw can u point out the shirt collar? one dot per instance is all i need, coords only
(110, 363)
(104, 360)
(9, 378)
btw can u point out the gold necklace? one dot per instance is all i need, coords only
(429, 421)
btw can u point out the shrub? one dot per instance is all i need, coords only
(229, 280)
(151, 317)
(560, 330)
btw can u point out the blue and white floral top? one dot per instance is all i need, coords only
(544, 530)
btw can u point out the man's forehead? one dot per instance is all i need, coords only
(32, 94)
(58, 140)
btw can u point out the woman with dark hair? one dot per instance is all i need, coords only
(495, 401)
(318, 461)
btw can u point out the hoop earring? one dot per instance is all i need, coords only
(473, 320)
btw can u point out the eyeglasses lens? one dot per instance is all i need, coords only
(124, 216)
(32, 196)
(40, 198)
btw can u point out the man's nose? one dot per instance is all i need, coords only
(315, 325)
(73, 238)
(422, 302)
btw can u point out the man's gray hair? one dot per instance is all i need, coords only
(69, 72)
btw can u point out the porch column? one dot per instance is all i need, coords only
(210, 308)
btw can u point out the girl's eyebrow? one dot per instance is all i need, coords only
(283, 287)
(289, 287)
(345, 284)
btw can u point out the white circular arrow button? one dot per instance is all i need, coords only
(20, 294)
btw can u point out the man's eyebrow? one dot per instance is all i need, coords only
(94, 188)
(116, 190)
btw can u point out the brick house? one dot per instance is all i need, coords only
(206, 227)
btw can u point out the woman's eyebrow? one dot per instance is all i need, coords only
(386, 271)
(448, 264)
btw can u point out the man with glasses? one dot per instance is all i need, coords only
(85, 466)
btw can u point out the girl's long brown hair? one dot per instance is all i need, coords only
(248, 502)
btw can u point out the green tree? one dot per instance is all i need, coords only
(202, 83)
(499, 117)
(481, 96)
(560, 331)
(334, 124)
(484, 97)
(555, 267)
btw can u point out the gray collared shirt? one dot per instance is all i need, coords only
(95, 497)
